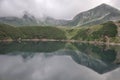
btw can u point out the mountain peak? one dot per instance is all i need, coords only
(27, 15)
(101, 13)
(105, 6)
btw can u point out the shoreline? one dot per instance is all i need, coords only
(61, 40)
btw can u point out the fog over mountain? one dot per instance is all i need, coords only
(100, 14)
(60, 9)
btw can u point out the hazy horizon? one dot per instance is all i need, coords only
(59, 9)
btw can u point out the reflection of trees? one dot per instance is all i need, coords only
(102, 52)
(30, 47)
(98, 58)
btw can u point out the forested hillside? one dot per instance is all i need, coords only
(97, 32)
(91, 33)
(37, 32)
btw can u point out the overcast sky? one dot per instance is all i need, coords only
(60, 9)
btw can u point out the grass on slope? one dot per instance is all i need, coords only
(10, 32)
(97, 32)
(70, 32)
(42, 32)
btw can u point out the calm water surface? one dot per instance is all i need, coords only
(58, 61)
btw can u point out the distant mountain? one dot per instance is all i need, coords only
(29, 20)
(97, 15)
(26, 20)
(48, 21)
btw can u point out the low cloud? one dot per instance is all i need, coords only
(61, 9)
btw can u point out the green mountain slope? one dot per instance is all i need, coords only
(93, 33)
(10, 32)
(42, 32)
(97, 32)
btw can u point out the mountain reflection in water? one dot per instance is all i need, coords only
(58, 61)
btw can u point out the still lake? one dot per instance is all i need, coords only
(58, 61)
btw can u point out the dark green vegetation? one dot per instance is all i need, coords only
(102, 52)
(30, 47)
(10, 32)
(108, 57)
(42, 32)
(91, 33)
(97, 32)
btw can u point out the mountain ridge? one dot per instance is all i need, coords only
(97, 15)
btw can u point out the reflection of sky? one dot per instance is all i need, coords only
(48, 68)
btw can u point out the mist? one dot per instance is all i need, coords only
(59, 9)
